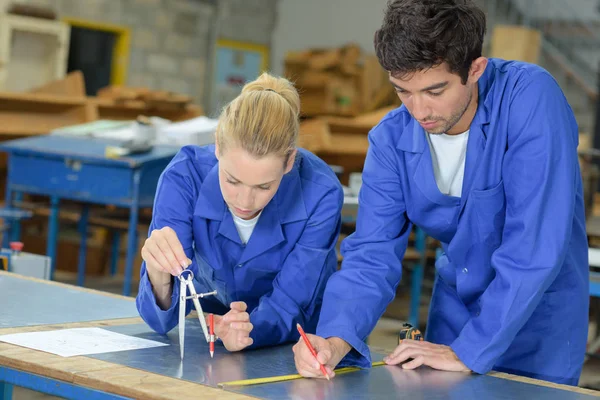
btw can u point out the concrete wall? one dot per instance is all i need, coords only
(581, 10)
(171, 39)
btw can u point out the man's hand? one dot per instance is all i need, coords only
(329, 353)
(436, 356)
(234, 327)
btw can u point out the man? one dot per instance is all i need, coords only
(482, 156)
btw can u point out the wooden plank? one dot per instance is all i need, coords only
(373, 78)
(107, 377)
(27, 114)
(139, 384)
(314, 135)
(514, 42)
(348, 143)
(115, 92)
(360, 124)
(42, 99)
(109, 109)
(71, 85)
(110, 103)
(537, 382)
(323, 59)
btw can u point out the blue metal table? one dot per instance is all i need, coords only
(30, 302)
(77, 169)
(383, 382)
(137, 372)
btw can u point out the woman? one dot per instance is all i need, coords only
(252, 217)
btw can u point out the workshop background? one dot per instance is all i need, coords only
(157, 72)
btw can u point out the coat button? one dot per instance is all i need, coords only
(465, 270)
(239, 265)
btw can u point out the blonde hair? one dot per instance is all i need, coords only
(263, 119)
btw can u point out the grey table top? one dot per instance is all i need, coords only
(28, 302)
(383, 382)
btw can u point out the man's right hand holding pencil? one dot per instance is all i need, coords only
(329, 353)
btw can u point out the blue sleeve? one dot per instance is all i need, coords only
(173, 207)
(358, 294)
(540, 175)
(298, 287)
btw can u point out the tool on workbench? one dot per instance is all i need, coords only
(211, 328)
(312, 350)
(144, 136)
(283, 378)
(22, 263)
(409, 332)
(186, 283)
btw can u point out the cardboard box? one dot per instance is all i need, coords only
(340, 81)
(512, 42)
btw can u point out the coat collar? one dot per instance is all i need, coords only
(287, 206)
(413, 139)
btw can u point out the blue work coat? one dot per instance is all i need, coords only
(511, 289)
(282, 271)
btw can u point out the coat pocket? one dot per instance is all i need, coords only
(490, 209)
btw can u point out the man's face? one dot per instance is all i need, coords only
(437, 99)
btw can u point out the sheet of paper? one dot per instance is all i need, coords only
(79, 341)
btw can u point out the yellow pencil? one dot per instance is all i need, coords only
(283, 378)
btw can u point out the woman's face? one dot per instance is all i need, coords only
(248, 183)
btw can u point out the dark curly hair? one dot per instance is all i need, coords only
(420, 34)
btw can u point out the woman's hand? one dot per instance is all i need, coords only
(234, 327)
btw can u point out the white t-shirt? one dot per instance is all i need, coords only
(245, 227)
(448, 153)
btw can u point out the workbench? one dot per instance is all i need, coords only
(158, 373)
(77, 169)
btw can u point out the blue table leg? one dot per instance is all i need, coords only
(132, 233)
(15, 225)
(114, 257)
(83, 225)
(417, 278)
(52, 233)
(6, 390)
(8, 201)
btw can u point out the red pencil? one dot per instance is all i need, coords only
(312, 350)
(211, 327)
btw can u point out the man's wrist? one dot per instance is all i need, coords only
(340, 346)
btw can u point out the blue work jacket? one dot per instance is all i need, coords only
(280, 273)
(511, 290)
